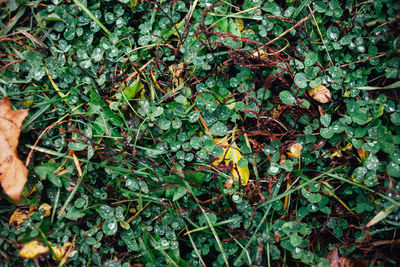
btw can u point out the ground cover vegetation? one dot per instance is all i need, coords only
(202, 133)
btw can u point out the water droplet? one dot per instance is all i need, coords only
(372, 163)
(85, 64)
(273, 169)
(97, 54)
(111, 226)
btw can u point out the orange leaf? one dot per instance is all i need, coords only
(13, 172)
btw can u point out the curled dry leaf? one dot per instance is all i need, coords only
(320, 94)
(295, 150)
(13, 172)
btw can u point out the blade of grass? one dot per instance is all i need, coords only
(320, 35)
(224, 256)
(240, 245)
(215, 224)
(195, 248)
(162, 251)
(19, 14)
(369, 88)
(364, 187)
(380, 216)
(268, 208)
(147, 251)
(90, 14)
(78, 183)
(47, 243)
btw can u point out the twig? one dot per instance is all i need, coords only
(290, 29)
(130, 77)
(320, 34)
(9, 64)
(40, 136)
(359, 61)
(32, 38)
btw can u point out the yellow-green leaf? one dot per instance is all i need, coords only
(232, 155)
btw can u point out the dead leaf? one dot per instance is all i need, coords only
(33, 250)
(320, 94)
(336, 261)
(352, 262)
(47, 209)
(232, 155)
(295, 150)
(228, 184)
(60, 252)
(333, 257)
(13, 173)
(19, 216)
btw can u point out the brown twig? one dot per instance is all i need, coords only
(359, 61)
(9, 64)
(290, 29)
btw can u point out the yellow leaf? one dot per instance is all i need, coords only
(33, 250)
(239, 174)
(320, 94)
(36, 249)
(47, 209)
(19, 216)
(239, 24)
(60, 252)
(13, 173)
(232, 155)
(295, 150)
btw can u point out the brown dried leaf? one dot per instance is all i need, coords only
(320, 94)
(336, 261)
(13, 172)
(333, 257)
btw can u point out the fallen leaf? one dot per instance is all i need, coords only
(47, 209)
(295, 150)
(19, 216)
(320, 94)
(333, 257)
(60, 252)
(13, 173)
(232, 155)
(336, 261)
(228, 184)
(33, 250)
